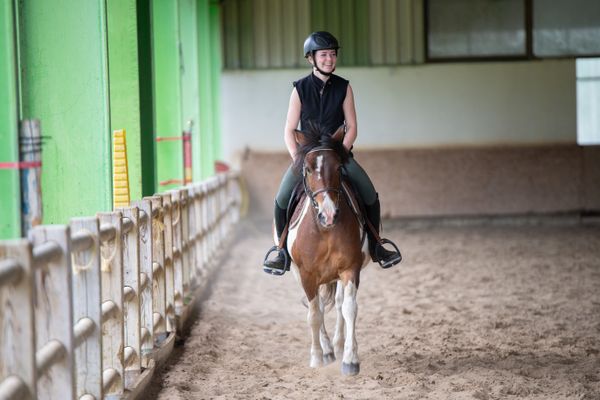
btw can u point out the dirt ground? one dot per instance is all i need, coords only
(493, 309)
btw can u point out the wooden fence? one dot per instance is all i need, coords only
(89, 310)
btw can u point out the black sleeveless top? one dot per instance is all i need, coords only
(322, 102)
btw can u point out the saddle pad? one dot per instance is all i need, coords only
(297, 211)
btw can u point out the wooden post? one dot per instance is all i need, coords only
(158, 277)
(146, 278)
(131, 298)
(17, 333)
(54, 311)
(212, 215)
(87, 304)
(177, 250)
(185, 244)
(200, 232)
(111, 253)
(193, 236)
(169, 274)
(205, 226)
(31, 188)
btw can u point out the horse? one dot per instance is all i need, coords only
(327, 246)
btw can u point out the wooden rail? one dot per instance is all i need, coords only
(90, 309)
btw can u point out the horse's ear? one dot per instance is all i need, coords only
(300, 138)
(338, 135)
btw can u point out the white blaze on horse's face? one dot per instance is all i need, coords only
(325, 186)
(319, 166)
(328, 209)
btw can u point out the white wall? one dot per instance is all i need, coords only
(416, 106)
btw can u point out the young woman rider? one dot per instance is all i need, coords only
(327, 100)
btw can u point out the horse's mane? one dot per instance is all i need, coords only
(317, 138)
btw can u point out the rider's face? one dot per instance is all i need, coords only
(325, 59)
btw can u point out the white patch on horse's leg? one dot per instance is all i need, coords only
(328, 356)
(315, 320)
(350, 362)
(319, 166)
(338, 334)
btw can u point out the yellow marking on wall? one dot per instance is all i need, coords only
(120, 172)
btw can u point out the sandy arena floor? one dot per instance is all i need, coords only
(475, 311)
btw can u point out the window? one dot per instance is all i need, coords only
(476, 29)
(509, 29)
(588, 101)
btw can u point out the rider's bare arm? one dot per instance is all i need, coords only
(350, 117)
(291, 123)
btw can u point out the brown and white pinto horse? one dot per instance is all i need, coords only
(325, 242)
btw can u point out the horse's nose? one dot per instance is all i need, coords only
(328, 218)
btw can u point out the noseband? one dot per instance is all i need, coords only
(309, 193)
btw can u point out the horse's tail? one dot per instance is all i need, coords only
(327, 293)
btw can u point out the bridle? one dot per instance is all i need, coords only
(309, 193)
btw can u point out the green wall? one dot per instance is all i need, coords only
(209, 72)
(167, 92)
(64, 83)
(187, 67)
(215, 66)
(10, 207)
(144, 29)
(87, 68)
(124, 85)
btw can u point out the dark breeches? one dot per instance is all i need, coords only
(357, 175)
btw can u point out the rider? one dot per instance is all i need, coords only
(327, 100)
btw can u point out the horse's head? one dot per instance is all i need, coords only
(321, 157)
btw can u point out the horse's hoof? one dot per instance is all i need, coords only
(316, 362)
(328, 358)
(350, 369)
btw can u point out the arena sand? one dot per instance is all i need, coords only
(483, 310)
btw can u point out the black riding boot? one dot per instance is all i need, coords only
(281, 262)
(379, 254)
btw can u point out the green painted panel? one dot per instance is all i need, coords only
(347, 34)
(124, 87)
(317, 15)
(216, 67)
(231, 32)
(189, 71)
(146, 98)
(206, 88)
(10, 198)
(246, 32)
(63, 69)
(361, 38)
(167, 92)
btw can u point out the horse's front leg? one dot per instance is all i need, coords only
(350, 362)
(328, 355)
(338, 334)
(315, 321)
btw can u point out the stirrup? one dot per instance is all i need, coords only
(391, 262)
(276, 271)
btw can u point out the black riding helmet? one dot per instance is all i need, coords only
(320, 41)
